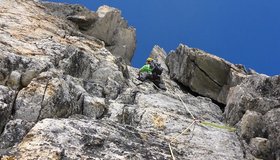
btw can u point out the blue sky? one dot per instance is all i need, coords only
(240, 31)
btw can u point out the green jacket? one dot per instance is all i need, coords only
(146, 68)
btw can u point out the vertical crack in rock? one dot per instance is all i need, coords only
(80, 100)
(14, 104)
(207, 75)
(40, 111)
(133, 96)
(141, 117)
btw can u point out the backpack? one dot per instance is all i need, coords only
(156, 68)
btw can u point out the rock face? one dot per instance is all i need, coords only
(105, 24)
(257, 97)
(6, 100)
(114, 31)
(66, 92)
(159, 55)
(203, 73)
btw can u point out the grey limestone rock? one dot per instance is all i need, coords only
(74, 96)
(14, 132)
(272, 127)
(203, 73)
(159, 55)
(47, 96)
(251, 125)
(6, 105)
(14, 80)
(111, 28)
(105, 24)
(259, 94)
(27, 77)
(261, 147)
(94, 107)
(53, 138)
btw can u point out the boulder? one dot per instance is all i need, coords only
(261, 148)
(14, 80)
(94, 107)
(251, 125)
(203, 73)
(78, 14)
(27, 77)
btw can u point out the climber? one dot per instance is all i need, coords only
(152, 71)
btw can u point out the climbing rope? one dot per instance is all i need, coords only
(194, 122)
(185, 106)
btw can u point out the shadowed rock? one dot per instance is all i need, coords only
(6, 105)
(203, 73)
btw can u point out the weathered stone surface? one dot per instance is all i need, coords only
(258, 93)
(80, 15)
(92, 69)
(52, 138)
(272, 128)
(165, 115)
(6, 105)
(261, 147)
(14, 80)
(203, 73)
(47, 96)
(94, 107)
(106, 24)
(27, 77)
(16, 69)
(13, 133)
(114, 31)
(251, 125)
(159, 55)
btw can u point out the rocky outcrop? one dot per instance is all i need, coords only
(159, 55)
(66, 94)
(81, 16)
(203, 73)
(105, 24)
(114, 31)
(258, 98)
